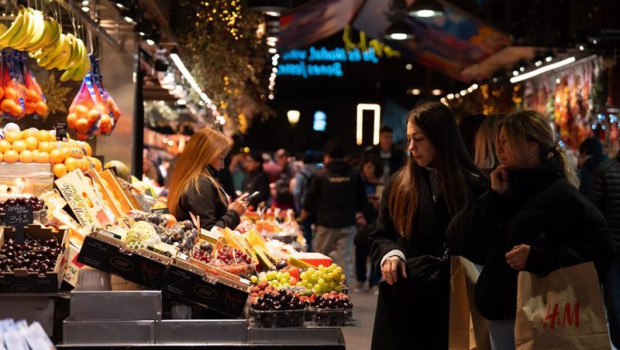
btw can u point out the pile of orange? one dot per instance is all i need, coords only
(40, 146)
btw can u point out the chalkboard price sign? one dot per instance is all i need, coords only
(18, 216)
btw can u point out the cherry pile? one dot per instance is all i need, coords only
(225, 256)
(280, 309)
(33, 202)
(332, 310)
(35, 255)
(332, 301)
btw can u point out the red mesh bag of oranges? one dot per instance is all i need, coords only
(34, 101)
(107, 123)
(88, 114)
(12, 88)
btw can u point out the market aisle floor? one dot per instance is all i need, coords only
(365, 305)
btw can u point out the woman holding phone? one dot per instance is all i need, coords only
(194, 188)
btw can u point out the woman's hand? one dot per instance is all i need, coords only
(390, 267)
(517, 257)
(240, 205)
(499, 180)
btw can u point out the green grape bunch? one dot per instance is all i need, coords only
(323, 279)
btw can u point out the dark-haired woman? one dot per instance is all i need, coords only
(533, 219)
(409, 243)
(255, 178)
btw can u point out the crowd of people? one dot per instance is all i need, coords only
(497, 190)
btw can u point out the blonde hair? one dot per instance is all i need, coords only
(485, 156)
(521, 127)
(203, 148)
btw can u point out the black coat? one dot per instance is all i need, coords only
(418, 319)
(586, 173)
(256, 181)
(396, 160)
(338, 193)
(543, 211)
(206, 203)
(605, 194)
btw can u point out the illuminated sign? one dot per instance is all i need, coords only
(320, 121)
(320, 61)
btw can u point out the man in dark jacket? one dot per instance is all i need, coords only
(605, 194)
(590, 156)
(393, 157)
(338, 193)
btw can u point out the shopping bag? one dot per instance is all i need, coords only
(468, 329)
(563, 310)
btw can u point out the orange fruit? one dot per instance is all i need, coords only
(4, 146)
(13, 135)
(44, 135)
(56, 156)
(1, 92)
(19, 146)
(81, 126)
(93, 116)
(30, 107)
(10, 93)
(32, 95)
(81, 112)
(86, 147)
(16, 111)
(29, 132)
(8, 105)
(59, 170)
(71, 163)
(105, 124)
(45, 146)
(31, 143)
(84, 164)
(41, 108)
(96, 163)
(42, 157)
(11, 156)
(26, 157)
(72, 120)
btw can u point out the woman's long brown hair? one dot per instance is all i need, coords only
(451, 163)
(204, 147)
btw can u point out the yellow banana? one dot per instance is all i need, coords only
(83, 69)
(62, 59)
(38, 33)
(54, 35)
(36, 46)
(24, 33)
(3, 28)
(15, 27)
(49, 55)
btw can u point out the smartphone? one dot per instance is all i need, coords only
(252, 196)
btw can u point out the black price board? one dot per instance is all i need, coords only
(61, 131)
(160, 211)
(18, 216)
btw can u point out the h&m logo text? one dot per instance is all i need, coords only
(570, 318)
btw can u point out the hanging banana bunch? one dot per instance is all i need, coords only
(43, 39)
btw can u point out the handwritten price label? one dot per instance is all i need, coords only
(18, 215)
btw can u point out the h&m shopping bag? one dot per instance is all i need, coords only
(468, 329)
(563, 310)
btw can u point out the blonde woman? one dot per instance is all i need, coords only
(533, 219)
(485, 154)
(193, 187)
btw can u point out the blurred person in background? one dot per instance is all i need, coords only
(236, 170)
(301, 184)
(392, 157)
(485, 151)
(373, 181)
(337, 193)
(605, 194)
(590, 156)
(408, 244)
(194, 187)
(255, 178)
(468, 127)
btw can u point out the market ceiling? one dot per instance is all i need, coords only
(468, 45)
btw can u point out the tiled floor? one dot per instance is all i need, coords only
(359, 338)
